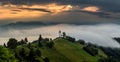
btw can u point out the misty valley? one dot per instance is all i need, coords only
(59, 30)
(62, 46)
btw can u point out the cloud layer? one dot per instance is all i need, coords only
(99, 34)
(60, 10)
(110, 5)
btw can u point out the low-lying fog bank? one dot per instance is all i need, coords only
(100, 34)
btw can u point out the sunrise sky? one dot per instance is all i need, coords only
(60, 11)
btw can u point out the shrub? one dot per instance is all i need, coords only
(91, 50)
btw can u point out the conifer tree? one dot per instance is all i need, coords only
(39, 40)
(26, 39)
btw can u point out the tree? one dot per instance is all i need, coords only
(91, 50)
(39, 41)
(71, 39)
(6, 55)
(40, 37)
(5, 45)
(50, 39)
(22, 53)
(59, 33)
(29, 45)
(22, 42)
(38, 53)
(64, 35)
(34, 53)
(50, 44)
(81, 42)
(12, 43)
(26, 40)
(31, 55)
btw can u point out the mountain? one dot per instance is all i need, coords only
(34, 24)
(27, 25)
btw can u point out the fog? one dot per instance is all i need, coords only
(100, 34)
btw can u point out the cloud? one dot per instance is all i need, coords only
(110, 5)
(91, 9)
(36, 9)
(17, 10)
(10, 11)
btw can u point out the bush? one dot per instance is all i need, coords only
(70, 38)
(50, 44)
(91, 50)
(81, 42)
(22, 53)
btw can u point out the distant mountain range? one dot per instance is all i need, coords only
(36, 24)
(31, 24)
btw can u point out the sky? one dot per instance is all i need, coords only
(95, 21)
(60, 11)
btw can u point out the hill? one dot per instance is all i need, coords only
(66, 51)
(61, 49)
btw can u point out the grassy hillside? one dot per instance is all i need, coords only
(66, 51)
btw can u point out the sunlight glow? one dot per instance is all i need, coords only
(59, 8)
(91, 9)
(10, 11)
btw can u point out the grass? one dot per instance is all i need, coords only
(66, 51)
(54, 55)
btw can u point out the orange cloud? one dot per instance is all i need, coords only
(17, 13)
(10, 11)
(91, 9)
(58, 8)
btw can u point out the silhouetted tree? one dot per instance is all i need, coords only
(39, 41)
(26, 39)
(50, 44)
(64, 35)
(40, 37)
(29, 45)
(46, 39)
(71, 39)
(23, 41)
(81, 42)
(5, 45)
(50, 39)
(12, 43)
(59, 33)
